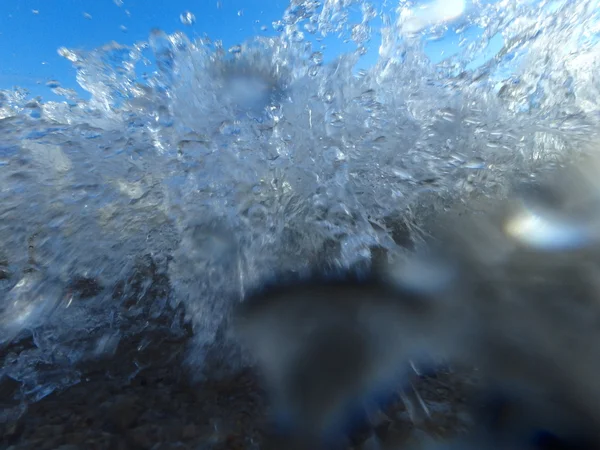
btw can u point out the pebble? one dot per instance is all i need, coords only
(189, 431)
(123, 413)
(146, 436)
(8, 387)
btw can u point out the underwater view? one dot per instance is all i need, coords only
(154, 185)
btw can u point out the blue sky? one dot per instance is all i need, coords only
(31, 31)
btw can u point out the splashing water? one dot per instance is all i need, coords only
(225, 165)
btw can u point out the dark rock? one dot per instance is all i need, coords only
(13, 431)
(85, 287)
(4, 273)
(147, 280)
(23, 341)
(400, 231)
(8, 388)
(379, 258)
(170, 446)
(122, 412)
(189, 432)
(146, 436)
(76, 438)
(50, 431)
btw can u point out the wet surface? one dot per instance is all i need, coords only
(158, 405)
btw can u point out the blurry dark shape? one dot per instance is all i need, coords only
(147, 279)
(515, 418)
(8, 387)
(509, 287)
(332, 349)
(22, 342)
(85, 287)
(4, 270)
(528, 270)
(400, 231)
(416, 407)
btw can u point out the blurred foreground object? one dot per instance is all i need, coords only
(516, 297)
(333, 348)
(530, 273)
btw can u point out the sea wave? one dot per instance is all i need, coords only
(228, 165)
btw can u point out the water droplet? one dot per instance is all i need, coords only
(119, 3)
(257, 214)
(35, 11)
(187, 18)
(235, 49)
(360, 33)
(228, 128)
(68, 54)
(87, 16)
(429, 14)
(361, 50)
(297, 36)
(317, 58)
(310, 28)
(475, 163)
(423, 275)
(107, 344)
(334, 154)
(401, 174)
(264, 28)
(336, 119)
(240, 13)
(278, 26)
(546, 231)
(35, 112)
(123, 28)
(52, 84)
